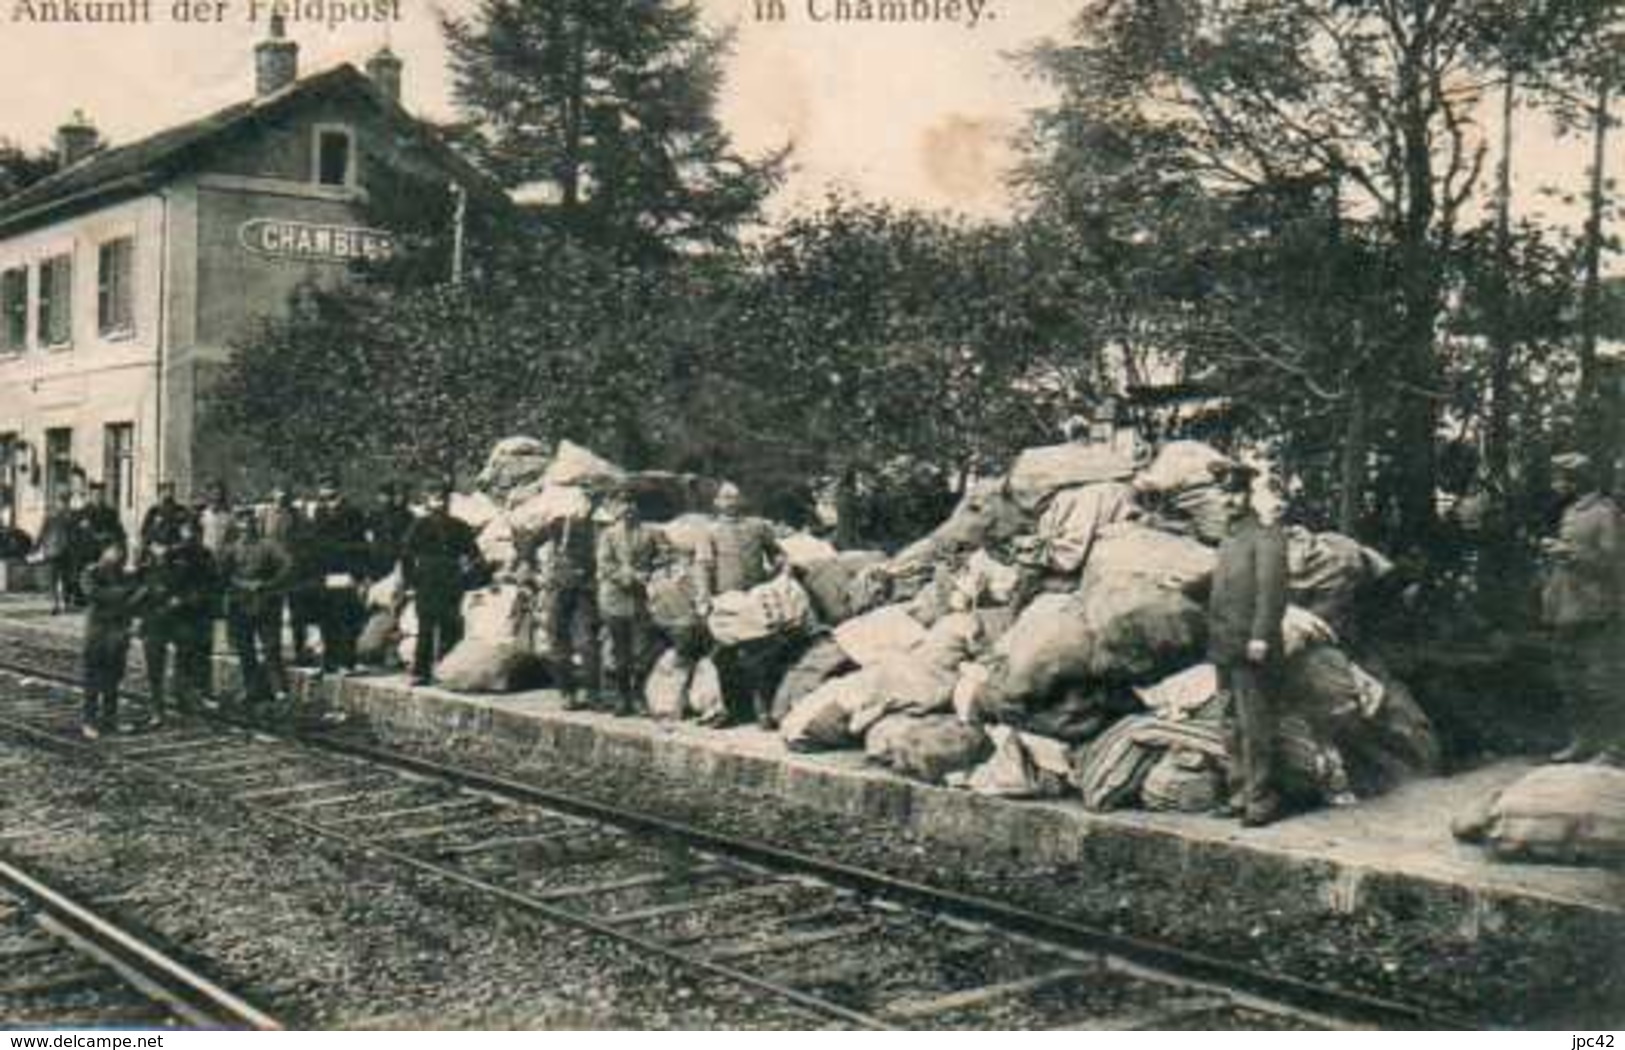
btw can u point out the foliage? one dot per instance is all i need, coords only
(610, 109)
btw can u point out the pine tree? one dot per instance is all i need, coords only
(609, 106)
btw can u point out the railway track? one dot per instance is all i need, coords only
(856, 947)
(66, 966)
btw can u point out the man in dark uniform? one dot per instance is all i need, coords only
(386, 528)
(627, 554)
(113, 595)
(287, 526)
(438, 557)
(100, 520)
(255, 572)
(572, 562)
(1581, 607)
(180, 584)
(1245, 608)
(56, 539)
(161, 526)
(338, 539)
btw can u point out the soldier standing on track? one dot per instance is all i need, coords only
(1581, 607)
(739, 553)
(180, 586)
(113, 594)
(256, 572)
(1245, 609)
(338, 538)
(439, 555)
(627, 553)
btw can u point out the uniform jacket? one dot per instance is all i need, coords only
(338, 539)
(737, 554)
(181, 583)
(100, 526)
(437, 554)
(162, 524)
(386, 530)
(114, 597)
(1248, 596)
(626, 558)
(256, 573)
(574, 553)
(1584, 587)
(56, 534)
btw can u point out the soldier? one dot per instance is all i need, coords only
(739, 553)
(256, 572)
(99, 521)
(216, 522)
(180, 585)
(338, 539)
(1245, 609)
(1580, 606)
(113, 594)
(287, 526)
(627, 554)
(56, 537)
(567, 586)
(439, 556)
(386, 528)
(160, 527)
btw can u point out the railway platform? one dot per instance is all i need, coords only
(1380, 887)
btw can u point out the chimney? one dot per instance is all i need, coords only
(384, 68)
(76, 140)
(276, 59)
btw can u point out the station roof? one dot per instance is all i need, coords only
(141, 166)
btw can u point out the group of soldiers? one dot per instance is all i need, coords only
(307, 567)
(252, 568)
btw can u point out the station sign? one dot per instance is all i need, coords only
(315, 242)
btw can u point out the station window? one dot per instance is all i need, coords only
(335, 156)
(58, 463)
(118, 464)
(13, 310)
(115, 288)
(55, 322)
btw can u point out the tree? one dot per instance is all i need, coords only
(1181, 121)
(609, 107)
(20, 168)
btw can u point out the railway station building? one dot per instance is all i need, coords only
(127, 275)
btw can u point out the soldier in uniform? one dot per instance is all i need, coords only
(739, 553)
(386, 528)
(438, 556)
(1581, 607)
(161, 525)
(287, 526)
(256, 572)
(567, 586)
(99, 521)
(56, 538)
(180, 584)
(338, 539)
(1245, 609)
(113, 594)
(627, 554)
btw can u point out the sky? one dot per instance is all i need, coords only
(919, 114)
